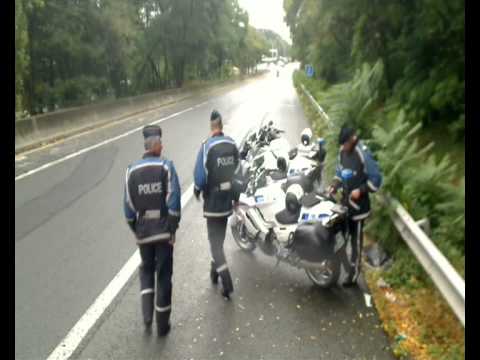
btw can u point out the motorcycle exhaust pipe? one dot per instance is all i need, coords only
(309, 265)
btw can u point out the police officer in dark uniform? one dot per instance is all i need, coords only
(152, 209)
(366, 179)
(217, 161)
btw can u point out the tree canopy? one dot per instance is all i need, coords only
(71, 52)
(420, 43)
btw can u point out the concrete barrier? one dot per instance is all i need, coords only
(45, 128)
(35, 130)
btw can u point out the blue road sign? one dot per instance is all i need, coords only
(309, 70)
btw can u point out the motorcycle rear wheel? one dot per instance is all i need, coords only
(241, 238)
(327, 276)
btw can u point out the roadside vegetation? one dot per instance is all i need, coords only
(70, 53)
(395, 70)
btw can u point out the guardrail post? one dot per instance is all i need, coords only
(424, 225)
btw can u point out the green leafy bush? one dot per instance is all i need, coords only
(421, 182)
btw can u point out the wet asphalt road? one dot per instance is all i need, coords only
(71, 240)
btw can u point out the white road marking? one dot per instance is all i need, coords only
(75, 154)
(20, 158)
(201, 104)
(75, 336)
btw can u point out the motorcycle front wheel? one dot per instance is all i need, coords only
(241, 238)
(326, 276)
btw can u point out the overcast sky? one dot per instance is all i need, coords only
(267, 14)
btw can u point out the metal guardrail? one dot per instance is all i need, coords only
(450, 284)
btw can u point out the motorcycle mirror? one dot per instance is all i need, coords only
(270, 123)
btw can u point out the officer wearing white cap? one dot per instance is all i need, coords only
(152, 209)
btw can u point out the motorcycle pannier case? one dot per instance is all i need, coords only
(313, 242)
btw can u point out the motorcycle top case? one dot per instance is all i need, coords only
(313, 242)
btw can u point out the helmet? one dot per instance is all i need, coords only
(215, 115)
(292, 199)
(345, 134)
(306, 136)
(152, 130)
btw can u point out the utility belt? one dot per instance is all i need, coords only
(151, 214)
(224, 186)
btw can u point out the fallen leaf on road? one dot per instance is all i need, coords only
(390, 296)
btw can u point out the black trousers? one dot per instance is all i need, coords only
(156, 258)
(356, 232)
(217, 228)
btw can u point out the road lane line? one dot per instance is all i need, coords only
(201, 104)
(75, 336)
(75, 154)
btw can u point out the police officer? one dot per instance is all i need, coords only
(217, 161)
(152, 209)
(366, 179)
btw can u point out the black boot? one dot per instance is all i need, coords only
(163, 330)
(148, 327)
(163, 323)
(213, 273)
(227, 283)
(351, 279)
(147, 310)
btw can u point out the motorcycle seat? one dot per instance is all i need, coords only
(286, 217)
(310, 200)
(278, 175)
(301, 180)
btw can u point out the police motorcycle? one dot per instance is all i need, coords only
(303, 227)
(265, 148)
(258, 140)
